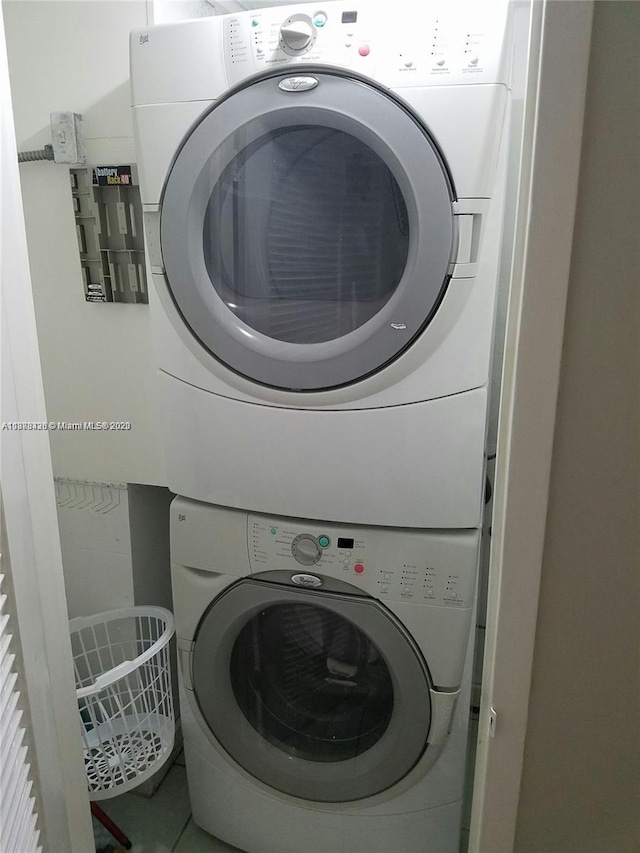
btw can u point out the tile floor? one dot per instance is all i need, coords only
(162, 823)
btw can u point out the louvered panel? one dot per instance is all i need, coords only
(9, 805)
(7, 679)
(18, 816)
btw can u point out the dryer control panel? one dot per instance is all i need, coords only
(437, 568)
(420, 44)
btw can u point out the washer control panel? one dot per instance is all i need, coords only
(424, 567)
(417, 44)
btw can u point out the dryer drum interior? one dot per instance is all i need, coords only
(306, 234)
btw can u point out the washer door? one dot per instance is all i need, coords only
(307, 234)
(322, 696)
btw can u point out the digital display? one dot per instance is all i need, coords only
(349, 17)
(345, 543)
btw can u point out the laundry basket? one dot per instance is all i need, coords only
(123, 681)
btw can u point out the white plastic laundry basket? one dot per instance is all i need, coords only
(123, 681)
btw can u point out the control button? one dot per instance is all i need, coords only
(406, 589)
(473, 60)
(319, 19)
(408, 64)
(296, 35)
(364, 50)
(324, 541)
(255, 22)
(305, 550)
(347, 553)
(454, 594)
(440, 62)
(347, 44)
(387, 576)
(274, 530)
(430, 593)
(358, 568)
(346, 562)
(384, 587)
(259, 51)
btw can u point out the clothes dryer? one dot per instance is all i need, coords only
(323, 205)
(325, 674)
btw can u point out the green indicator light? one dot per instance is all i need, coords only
(274, 530)
(323, 541)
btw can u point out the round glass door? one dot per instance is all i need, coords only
(311, 683)
(307, 235)
(320, 695)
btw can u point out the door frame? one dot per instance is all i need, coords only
(559, 48)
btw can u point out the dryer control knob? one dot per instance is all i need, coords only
(296, 35)
(305, 549)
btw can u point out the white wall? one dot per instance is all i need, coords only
(581, 776)
(96, 547)
(97, 359)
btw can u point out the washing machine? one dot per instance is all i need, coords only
(324, 680)
(323, 197)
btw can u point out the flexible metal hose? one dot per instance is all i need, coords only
(45, 153)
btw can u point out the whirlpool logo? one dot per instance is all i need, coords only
(298, 84)
(309, 581)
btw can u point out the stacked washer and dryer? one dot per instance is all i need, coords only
(323, 198)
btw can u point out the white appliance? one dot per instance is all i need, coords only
(324, 680)
(323, 201)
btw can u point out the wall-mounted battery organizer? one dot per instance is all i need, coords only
(108, 213)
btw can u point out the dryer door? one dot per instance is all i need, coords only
(307, 233)
(320, 695)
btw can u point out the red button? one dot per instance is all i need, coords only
(358, 568)
(364, 50)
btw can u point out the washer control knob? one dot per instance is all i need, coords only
(305, 549)
(296, 34)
